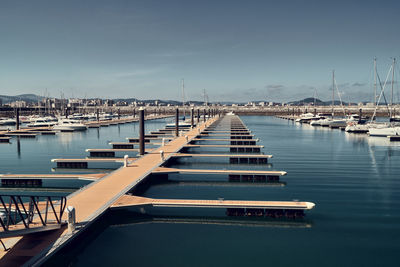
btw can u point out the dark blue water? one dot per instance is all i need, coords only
(353, 179)
(33, 156)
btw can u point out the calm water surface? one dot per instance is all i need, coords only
(353, 179)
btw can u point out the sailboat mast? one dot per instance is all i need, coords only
(183, 92)
(315, 95)
(374, 81)
(391, 97)
(333, 90)
(183, 97)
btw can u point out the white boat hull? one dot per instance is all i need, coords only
(384, 131)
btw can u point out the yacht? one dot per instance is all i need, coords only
(51, 118)
(306, 117)
(337, 123)
(325, 122)
(41, 123)
(357, 128)
(386, 131)
(319, 119)
(6, 121)
(68, 125)
(316, 122)
(356, 124)
(76, 116)
(105, 116)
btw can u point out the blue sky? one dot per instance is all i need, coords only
(236, 50)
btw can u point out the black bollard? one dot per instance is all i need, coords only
(192, 117)
(141, 132)
(17, 119)
(177, 122)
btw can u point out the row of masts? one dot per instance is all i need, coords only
(377, 98)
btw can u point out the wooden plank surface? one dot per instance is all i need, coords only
(131, 201)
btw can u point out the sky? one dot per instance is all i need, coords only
(235, 50)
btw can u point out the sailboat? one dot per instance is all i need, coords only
(361, 126)
(331, 122)
(183, 99)
(385, 130)
(183, 123)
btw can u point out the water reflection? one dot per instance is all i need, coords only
(67, 138)
(220, 183)
(18, 147)
(372, 141)
(132, 218)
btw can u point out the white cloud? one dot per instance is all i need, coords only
(136, 73)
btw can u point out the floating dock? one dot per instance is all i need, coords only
(5, 139)
(162, 170)
(110, 191)
(131, 201)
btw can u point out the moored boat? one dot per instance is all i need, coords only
(70, 126)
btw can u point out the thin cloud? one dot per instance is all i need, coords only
(357, 84)
(136, 73)
(172, 54)
(274, 86)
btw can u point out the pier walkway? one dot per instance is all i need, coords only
(92, 200)
(109, 191)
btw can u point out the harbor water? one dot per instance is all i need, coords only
(353, 180)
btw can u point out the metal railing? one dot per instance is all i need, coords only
(38, 210)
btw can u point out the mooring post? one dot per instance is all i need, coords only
(360, 115)
(126, 160)
(192, 117)
(97, 114)
(17, 119)
(71, 218)
(204, 115)
(141, 131)
(134, 113)
(198, 116)
(177, 122)
(119, 114)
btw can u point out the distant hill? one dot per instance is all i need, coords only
(165, 102)
(24, 97)
(318, 102)
(30, 98)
